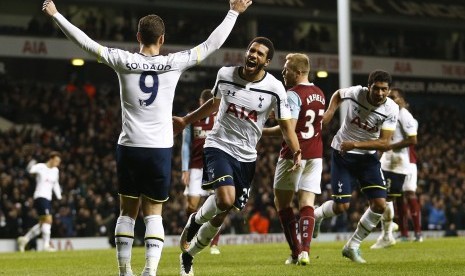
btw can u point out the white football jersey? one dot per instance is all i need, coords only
(245, 107)
(398, 161)
(46, 181)
(147, 83)
(363, 121)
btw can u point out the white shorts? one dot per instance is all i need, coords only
(307, 178)
(410, 183)
(195, 184)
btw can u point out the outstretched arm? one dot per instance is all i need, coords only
(334, 104)
(221, 33)
(71, 31)
(210, 106)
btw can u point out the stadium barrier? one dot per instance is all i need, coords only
(64, 244)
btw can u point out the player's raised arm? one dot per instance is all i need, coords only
(221, 33)
(71, 31)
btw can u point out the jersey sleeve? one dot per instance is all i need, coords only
(391, 120)
(185, 148)
(294, 104)
(35, 168)
(282, 108)
(350, 92)
(408, 123)
(77, 36)
(215, 91)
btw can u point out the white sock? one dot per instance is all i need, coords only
(388, 215)
(325, 210)
(124, 238)
(207, 211)
(367, 222)
(33, 232)
(206, 233)
(46, 229)
(154, 239)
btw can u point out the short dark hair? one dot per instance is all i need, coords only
(54, 154)
(265, 41)
(206, 94)
(379, 76)
(150, 27)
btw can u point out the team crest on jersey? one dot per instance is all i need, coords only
(340, 184)
(261, 101)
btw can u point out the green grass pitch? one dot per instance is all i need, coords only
(445, 256)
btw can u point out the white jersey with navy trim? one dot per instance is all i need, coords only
(364, 121)
(245, 107)
(46, 181)
(398, 161)
(147, 83)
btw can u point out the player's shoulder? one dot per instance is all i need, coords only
(273, 83)
(391, 106)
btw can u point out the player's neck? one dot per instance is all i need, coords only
(151, 50)
(251, 76)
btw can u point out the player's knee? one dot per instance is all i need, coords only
(340, 208)
(225, 204)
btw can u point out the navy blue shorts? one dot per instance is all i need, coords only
(349, 169)
(394, 183)
(43, 206)
(221, 169)
(144, 171)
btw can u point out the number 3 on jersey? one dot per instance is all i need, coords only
(310, 114)
(152, 90)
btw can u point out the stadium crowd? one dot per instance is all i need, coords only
(120, 24)
(84, 127)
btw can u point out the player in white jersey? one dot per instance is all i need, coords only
(244, 97)
(47, 175)
(368, 126)
(147, 85)
(193, 139)
(396, 166)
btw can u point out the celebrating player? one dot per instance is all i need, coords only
(397, 168)
(47, 175)
(368, 126)
(193, 139)
(147, 85)
(244, 97)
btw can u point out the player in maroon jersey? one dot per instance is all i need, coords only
(193, 139)
(307, 103)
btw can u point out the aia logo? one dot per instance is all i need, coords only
(365, 125)
(242, 113)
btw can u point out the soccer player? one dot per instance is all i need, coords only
(193, 139)
(307, 103)
(397, 169)
(147, 85)
(367, 127)
(47, 175)
(244, 97)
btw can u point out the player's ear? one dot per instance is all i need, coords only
(138, 37)
(161, 39)
(267, 62)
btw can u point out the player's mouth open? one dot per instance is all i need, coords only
(250, 64)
